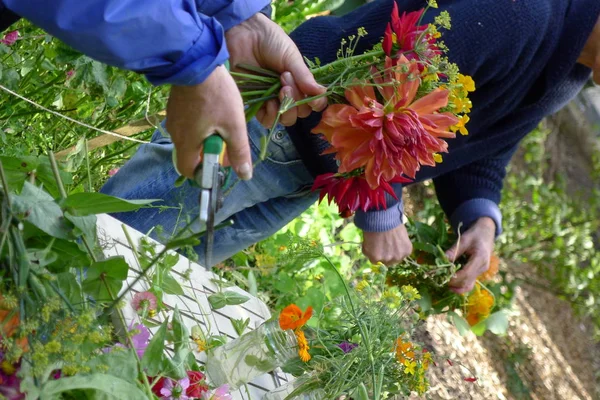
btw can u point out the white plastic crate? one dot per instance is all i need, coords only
(194, 306)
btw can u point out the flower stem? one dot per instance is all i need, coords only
(341, 61)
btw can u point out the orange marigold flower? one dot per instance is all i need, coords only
(404, 351)
(492, 270)
(9, 322)
(302, 346)
(479, 304)
(390, 139)
(292, 317)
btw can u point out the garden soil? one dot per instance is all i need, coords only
(548, 352)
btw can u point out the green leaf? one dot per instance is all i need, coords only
(38, 208)
(99, 203)
(459, 322)
(153, 359)
(229, 298)
(216, 341)
(110, 272)
(497, 323)
(479, 328)
(110, 384)
(181, 339)
(69, 286)
(240, 325)
(315, 298)
(170, 286)
(284, 283)
(99, 74)
(121, 363)
(252, 285)
(84, 226)
(69, 254)
(425, 302)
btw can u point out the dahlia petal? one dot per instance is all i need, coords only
(387, 39)
(431, 102)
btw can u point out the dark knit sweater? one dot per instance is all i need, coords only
(522, 55)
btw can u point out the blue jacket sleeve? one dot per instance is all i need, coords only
(383, 220)
(474, 191)
(176, 42)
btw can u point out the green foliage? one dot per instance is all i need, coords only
(552, 229)
(290, 14)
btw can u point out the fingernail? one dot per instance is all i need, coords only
(287, 78)
(245, 172)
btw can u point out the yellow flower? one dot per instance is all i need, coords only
(362, 285)
(462, 121)
(7, 368)
(433, 31)
(302, 346)
(422, 386)
(461, 104)
(427, 360)
(201, 343)
(467, 82)
(409, 367)
(410, 292)
(437, 158)
(479, 305)
(432, 3)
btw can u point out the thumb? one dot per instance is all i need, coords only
(304, 79)
(458, 248)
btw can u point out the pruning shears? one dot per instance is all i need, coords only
(211, 177)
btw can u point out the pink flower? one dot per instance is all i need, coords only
(70, 74)
(221, 393)
(175, 390)
(141, 339)
(113, 171)
(144, 302)
(10, 38)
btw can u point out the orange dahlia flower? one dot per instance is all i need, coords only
(390, 135)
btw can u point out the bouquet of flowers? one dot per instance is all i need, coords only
(393, 108)
(368, 352)
(429, 270)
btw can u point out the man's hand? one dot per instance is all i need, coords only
(196, 112)
(261, 42)
(389, 247)
(478, 243)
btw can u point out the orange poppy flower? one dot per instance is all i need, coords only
(292, 317)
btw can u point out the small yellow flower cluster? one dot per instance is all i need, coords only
(406, 354)
(362, 285)
(479, 305)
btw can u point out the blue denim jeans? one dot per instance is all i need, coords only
(278, 192)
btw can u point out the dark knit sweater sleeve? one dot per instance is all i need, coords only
(474, 191)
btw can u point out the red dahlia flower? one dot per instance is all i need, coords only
(404, 36)
(353, 192)
(390, 139)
